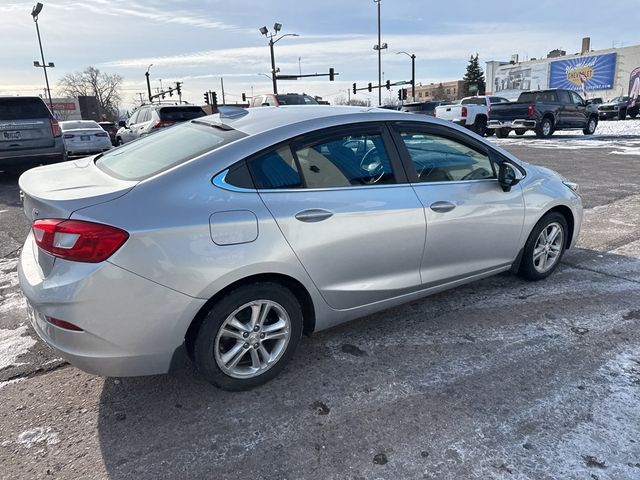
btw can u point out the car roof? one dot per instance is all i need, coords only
(256, 120)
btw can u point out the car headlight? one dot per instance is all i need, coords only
(572, 185)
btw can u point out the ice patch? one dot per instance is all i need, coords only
(13, 343)
(38, 435)
(10, 296)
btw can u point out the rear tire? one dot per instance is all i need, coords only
(480, 126)
(502, 132)
(592, 124)
(489, 132)
(118, 141)
(227, 328)
(543, 251)
(545, 128)
(622, 114)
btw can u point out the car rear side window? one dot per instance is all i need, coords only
(275, 169)
(156, 153)
(474, 101)
(23, 108)
(180, 114)
(440, 159)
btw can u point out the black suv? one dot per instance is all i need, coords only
(29, 134)
(151, 118)
(619, 108)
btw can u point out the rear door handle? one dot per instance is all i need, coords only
(442, 207)
(313, 215)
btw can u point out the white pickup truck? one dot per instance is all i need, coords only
(471, 112)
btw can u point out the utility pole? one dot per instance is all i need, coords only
(379, 47)
(141, 95)
(222, 87)
(348, 95)
(148, 82)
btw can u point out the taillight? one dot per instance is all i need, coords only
(78, 240)
(531, 109)
(68, 135)
(63, 324)
(102, 134)
(55, 128)
(464, 111)
(163, 123)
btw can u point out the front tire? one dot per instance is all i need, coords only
(248, 336)
(622, 114)
(592, 123)
(544, 248)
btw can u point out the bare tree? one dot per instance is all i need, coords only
(342, 100)
(439, 93)
(92, 82)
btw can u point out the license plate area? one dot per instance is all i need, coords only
(11, 135)
(85, 138)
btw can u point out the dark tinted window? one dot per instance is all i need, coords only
(23, 108)
(275, 169)
(155, 153)
(548, 97)
(180, 114)
(294, 99)
(345, 161)
(564, 97)
(474, 101)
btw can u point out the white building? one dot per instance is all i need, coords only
(600, 73)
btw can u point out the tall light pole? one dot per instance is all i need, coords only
(265, 31)
(413, 74)
(379, 47)
(146, 74)
(34, 13)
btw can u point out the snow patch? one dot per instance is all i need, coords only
(13, 343)
(11, 382)
(10, 296)
(38, 435)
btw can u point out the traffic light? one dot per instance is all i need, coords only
(388, 84)
(171, 92)
(369, 87)
(178, 88)
(206, 98)
(214, 98)
(244, 97)
(402, 94)
(332, 74)
(354, 89)
(163, 92)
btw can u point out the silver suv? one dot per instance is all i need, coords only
(152, 118)
(29, 134)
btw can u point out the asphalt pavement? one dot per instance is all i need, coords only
(500, 379)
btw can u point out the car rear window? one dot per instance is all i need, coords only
(78, 124)
(537, 97)
(474, 101)
(161, 151)
(180, 114)
(290, 99)
(23, 109)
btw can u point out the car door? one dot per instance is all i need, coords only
(579, 110)
(473, 226)
(140, 128)
(568, 111)
(354, 222)
(127, 134)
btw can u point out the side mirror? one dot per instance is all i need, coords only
(508, 176)
(122, 123)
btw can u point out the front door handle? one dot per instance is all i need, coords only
(442, 207)
(313, 215)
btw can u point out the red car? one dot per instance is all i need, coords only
(111, 128)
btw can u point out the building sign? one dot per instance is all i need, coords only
(63, 106)
(511, 80)
(634, 87)
(584, 73)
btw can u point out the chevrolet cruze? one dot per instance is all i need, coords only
(227, 237)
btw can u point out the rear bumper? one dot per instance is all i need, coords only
(518, 123)
(32, 157)
(131, 326)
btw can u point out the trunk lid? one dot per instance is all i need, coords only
(510, 111)
(56, 191)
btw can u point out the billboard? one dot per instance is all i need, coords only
(584, 73)
(634, 87)
(511, 80)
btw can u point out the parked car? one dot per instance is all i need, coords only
(544, 112)
(471, 112)
(152, 118)
(618, 107)
(422, 108)
(111, 128)
(277, 100)
(227, 237)
(29, 134)
(84, 137)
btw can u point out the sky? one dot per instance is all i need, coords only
(198, 42)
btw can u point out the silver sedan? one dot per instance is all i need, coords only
(226, 238)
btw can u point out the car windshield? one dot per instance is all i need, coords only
(180, 114)
(156, 153)
(22, 108)
(295, 99)
(78, 124)
(474, 101)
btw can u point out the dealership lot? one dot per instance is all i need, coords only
(498, 379)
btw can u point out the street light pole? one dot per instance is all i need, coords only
(413, 74)
(34, 13)
(379, 47)
(146, 74)
(265, 31)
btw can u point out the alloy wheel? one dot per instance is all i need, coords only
(548, 247)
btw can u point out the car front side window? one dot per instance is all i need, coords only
(440, 159)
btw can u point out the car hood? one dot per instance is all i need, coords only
(56, 191)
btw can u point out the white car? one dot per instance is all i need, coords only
(84, 137)
(471, 112)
